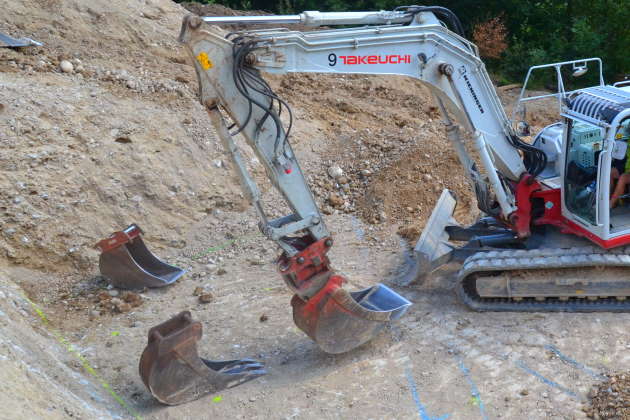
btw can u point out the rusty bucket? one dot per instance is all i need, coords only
(338, 320)
(174, 373)
(127, 263)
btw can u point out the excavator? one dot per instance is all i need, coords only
(548, 239)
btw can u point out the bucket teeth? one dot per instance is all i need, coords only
(174, 373)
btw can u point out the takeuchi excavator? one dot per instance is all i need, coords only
(548, 241)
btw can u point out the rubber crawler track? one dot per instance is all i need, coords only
(543, 258)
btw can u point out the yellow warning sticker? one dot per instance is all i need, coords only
(204, 60)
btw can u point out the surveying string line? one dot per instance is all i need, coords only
(219, 247)
(84, 362)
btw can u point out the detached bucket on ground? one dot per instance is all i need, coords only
(175, 374)
(127, 263)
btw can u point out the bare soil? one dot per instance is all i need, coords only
(122, 139)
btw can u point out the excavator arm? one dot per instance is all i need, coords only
(410, 42)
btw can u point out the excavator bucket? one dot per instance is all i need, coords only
(174, 373)
(338, 320)
(127, 263)
(433, 248)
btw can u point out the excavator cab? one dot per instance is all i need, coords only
(597, 121)
(586, 154)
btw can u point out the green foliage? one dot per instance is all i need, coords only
(540, 31)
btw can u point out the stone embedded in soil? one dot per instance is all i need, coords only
(206, 298)
(335, 171)
(132, 299)
(103, 296)
(118, 305)
(343, 180)
(66, 66)
(263, 318)
(256, 261)
(123, 307)
(335, 200)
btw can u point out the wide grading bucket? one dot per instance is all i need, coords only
(127, 263)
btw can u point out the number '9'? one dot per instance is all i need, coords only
(332, 59)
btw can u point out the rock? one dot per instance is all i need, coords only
(113, 292)
(206, 298)
(132, 298)
(123, 307)
(66, 66)
(335, 200)
(524, 392)
(198, 291)
(263, 318)
(256, 261)
(103, 296)
(335, 171)
(221, 271)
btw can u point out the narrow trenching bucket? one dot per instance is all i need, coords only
(175, 374)
(338, 320)
(127, 263)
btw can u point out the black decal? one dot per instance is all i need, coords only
(332, 59)
(472, 92)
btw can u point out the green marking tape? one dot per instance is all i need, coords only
(221, 246)
(218, 398)
(84, 362)
(115, 333)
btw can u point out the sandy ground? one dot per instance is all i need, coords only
(122, 139)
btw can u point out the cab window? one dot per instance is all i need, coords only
(584, 145)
